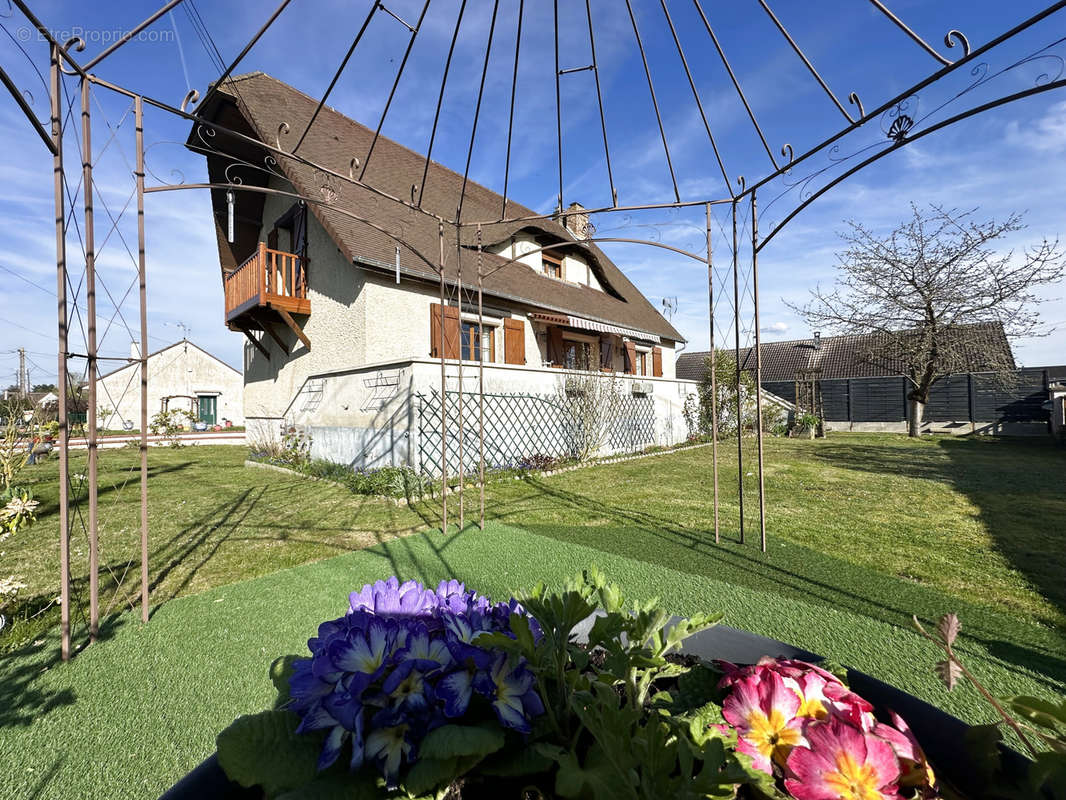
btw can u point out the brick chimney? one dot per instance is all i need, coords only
(576, 220)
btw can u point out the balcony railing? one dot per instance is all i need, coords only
(268, 278)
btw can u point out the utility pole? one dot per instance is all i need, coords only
(24, 380)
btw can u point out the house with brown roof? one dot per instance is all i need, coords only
(859, 388)
(339, 298)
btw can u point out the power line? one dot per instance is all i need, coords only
(23, 327)
(36, 285)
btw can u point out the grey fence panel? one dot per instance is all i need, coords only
(877, 399)
(786, 390)
(949, 399)
(1014, 396)
(835, 402)
(1010, 397)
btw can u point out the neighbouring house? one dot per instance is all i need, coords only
(857, 392)
(181, 377)
(340, 300)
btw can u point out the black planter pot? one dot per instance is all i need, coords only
(942, 736)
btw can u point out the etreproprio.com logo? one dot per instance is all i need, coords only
(100, 36)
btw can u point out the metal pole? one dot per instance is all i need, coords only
(459, 300)
(443, 392)
(714, 378)
(736, 353)
(90, 345)
(61, 316)
(758, 367)
(138, 110)
(481, 383)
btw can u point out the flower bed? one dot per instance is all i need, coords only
(571, 694)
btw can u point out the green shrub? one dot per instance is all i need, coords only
(384, 481)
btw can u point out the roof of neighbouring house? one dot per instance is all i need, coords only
(278, 113)
(978, 348)
(162, 350)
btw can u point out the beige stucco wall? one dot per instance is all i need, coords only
(336, 326)
(369, 417)
(524, 248)
(179, 372)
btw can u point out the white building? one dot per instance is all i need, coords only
(343, 315)
(181, 377)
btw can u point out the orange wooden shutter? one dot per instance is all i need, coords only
(556, 348)
(434, 330)
(514, 341)
(631, 358)
(451, 331)
(657, 362)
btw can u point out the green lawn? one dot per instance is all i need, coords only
(864, 530)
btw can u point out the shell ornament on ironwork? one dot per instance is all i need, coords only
(898, 121)
(900, 127)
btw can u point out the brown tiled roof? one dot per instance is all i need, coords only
(268, 105)
(978, 348)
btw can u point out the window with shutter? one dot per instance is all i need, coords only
(657, 362)
(630, 358)
(451, 336)
(514, 341)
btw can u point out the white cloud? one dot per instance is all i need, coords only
(1046, 135)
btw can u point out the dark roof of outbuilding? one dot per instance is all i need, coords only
(278, 114)
(977, 348)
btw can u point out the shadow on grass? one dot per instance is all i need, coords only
(50, 505)
(1015, 483)
(22, 700)
(46, 778)
(795, 571)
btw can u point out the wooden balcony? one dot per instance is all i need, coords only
(270, 285)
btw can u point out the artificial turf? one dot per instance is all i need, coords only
(131, 714)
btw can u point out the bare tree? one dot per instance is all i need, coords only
(591, 403)
(911, 290)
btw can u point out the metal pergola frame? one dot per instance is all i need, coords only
(895, 115)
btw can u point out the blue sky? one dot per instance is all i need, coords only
(1010, 159)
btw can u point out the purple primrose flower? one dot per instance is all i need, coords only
(402, 661)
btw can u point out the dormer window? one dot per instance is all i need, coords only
(552, 266)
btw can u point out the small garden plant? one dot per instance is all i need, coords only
(444, 693)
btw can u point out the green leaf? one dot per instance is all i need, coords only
(1045, 713)
(523, 634)
(429, 774)
(280, 672)
(691, 626)
(523, 761)
(1048, 775)
(452, 741)
(606, 629)
(697, 687)
(596, 778)
(264, 750)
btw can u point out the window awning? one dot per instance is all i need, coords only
(592, 325)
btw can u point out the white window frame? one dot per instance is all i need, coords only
(487, 322)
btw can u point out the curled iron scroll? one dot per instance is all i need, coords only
(954, 37)
(853, 98)
(78, 44)
(192, 97)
